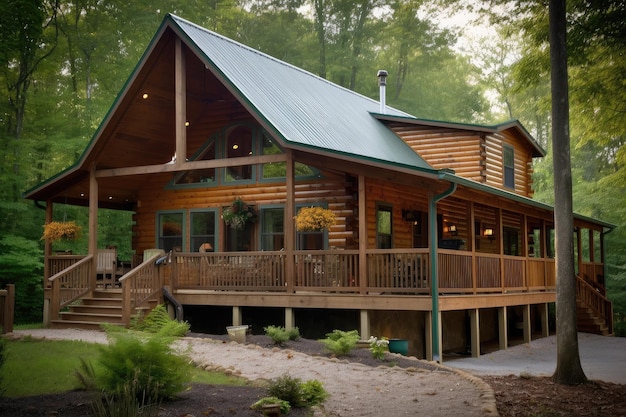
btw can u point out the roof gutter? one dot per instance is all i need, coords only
(434, 269)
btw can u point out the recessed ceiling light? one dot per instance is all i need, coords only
(144, 96)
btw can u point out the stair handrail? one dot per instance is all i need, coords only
(140, 285)
(70, 284)
(593, 299)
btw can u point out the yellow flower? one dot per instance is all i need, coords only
(54, 231)
(314, 218)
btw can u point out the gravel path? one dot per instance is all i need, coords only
(356, 390)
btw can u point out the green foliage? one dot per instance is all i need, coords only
(313, 393)
(20, 264)
(149, 360)
(340, 342)
(297, 393)
(159, 322)
(280, 335)
(128, 403)
(378, 347)
(285, 408)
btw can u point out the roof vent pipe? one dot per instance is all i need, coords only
(382, 82)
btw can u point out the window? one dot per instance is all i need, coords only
(200, 176)
(272, 232)
(279, 169)
(171, 227)
(203, 229)
(239, 144)
(383, 227)
(509, 166)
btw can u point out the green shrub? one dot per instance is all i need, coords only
(297, 393)
(287, 388)
(313, 393)
(126, 403)
(149, 360)
(285, 408)
(158, 321)
(280, 335)
(341, 343)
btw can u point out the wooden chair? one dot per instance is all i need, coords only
(106, 266)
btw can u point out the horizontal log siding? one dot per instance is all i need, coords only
(399, 198)
(445, 148)
(494, 167)
(330, 189)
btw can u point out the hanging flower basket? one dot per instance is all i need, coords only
(239, 214)
(314, 218)
(54, 231)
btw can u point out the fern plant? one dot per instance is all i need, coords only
(340, 342)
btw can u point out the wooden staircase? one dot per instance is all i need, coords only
(102, 306)
(588, 322)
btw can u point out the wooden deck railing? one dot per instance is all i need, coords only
(592, 298)
(140, 285)
(398, 271)
(7, 308)
(58, 263)
(70, 284)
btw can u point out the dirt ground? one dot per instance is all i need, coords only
(515, 396)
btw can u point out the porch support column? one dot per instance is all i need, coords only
(93, 224)
(47, 251)
(290, 318)
(545, 325)
(289, 227)
(434, 269)
(364, 322)
(503, 336)
(180, 85)
(428, 335)
(475, 332)
(363, 284)
(237, 316)
(526, 322)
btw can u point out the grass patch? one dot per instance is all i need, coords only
(36, 366)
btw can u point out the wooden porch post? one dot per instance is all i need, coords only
(472, 238)
(545, 325)
(180, 85)
(526, 323)
(475, 332)
(428, 335)
(47, 251)
(237, 316)
(289, 227)
(93, 224)
(503, 336)
(363, 284)
(290, 318)
(364, 323)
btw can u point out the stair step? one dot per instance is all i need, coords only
(76, 324)
(96, 309)
(102, 301)
(90, 317)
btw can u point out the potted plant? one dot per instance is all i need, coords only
(314, 218)
(54, 231)
(239, 214)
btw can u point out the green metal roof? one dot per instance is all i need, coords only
(303, 109)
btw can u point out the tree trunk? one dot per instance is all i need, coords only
(568, 368)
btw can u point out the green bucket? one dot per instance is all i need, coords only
(400, 346)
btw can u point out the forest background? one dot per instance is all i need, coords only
(62, 64)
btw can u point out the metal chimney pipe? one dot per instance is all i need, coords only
(382, 82)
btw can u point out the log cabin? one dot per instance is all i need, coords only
(216, 148)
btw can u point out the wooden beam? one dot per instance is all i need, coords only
(290, 318)
(545, 324)
(93, 223)
(364, 324)
(288, 222)
(503, 335)
(237, 316)
(475, 332)
(190, 165)
(362, 234)
(526, 323)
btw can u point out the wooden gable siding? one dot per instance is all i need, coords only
(494, 164)
(330, 189)
(445, 148)
(399, 198)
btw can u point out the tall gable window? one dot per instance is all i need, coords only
(384, 237)
(508, 155)
(239, 143)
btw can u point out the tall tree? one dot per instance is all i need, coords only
(568, 368)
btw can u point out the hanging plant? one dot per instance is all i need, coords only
(314, 218)
(54, 231)
(238, 214)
